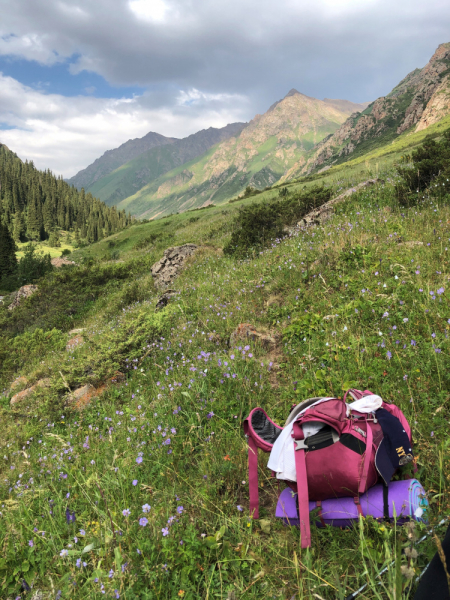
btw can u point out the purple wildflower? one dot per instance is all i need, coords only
(143, 521)
(165, 531)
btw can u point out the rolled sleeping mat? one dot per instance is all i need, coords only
(406, 500)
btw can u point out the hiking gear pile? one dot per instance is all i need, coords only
(330, 449)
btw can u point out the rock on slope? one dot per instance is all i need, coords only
(421, 98)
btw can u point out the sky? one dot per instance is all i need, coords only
(79, 77)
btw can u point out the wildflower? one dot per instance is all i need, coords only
(227, 457)
(405, 377)
(146, 508)
(165, 531)
(389, 355)
(405, 320)
(78, 563)
(30, 543)
(135, 482)
(139, 460)
(64, 552)
(126, 512)
(116, 594)
(143, 521)
(239, 507)
(92, 462)
(70, 517)
(82, 532)
(432, 434)
(210, 415)
(180, 509)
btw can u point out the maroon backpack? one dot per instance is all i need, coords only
(351, 452)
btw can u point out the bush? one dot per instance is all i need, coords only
(66, 252)
(430, 170)
(32, 267)
(258, 224)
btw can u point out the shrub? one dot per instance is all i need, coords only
(430, 170)
(256, 225)
(66, 252)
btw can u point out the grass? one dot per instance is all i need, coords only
(42, 247)
(139, 496)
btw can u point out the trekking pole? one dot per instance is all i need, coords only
(424, 537)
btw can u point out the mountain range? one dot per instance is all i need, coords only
(214, 164)
(298, 135)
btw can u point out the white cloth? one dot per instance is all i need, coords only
(367, 404)
(282, 456)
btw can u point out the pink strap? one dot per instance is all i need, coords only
(302, 489)
(358, 505)
(367, 457)
(253, 477)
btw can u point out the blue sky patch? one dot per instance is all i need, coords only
(57, 79)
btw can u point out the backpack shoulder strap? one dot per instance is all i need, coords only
(302, 485)
(263, 437)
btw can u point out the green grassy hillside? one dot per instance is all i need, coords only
(144, 494)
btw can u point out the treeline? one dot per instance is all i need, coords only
(35, 204)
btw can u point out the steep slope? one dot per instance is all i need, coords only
(421, 98)
(148, 166)
(112, 159)
(259, 156)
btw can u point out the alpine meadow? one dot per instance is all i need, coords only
(150, 301)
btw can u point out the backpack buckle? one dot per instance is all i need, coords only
(300, 445)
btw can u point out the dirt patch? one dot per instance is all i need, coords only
(74, 343)
(61, 262)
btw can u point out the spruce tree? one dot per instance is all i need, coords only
(8, 260)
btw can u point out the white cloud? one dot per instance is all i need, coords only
(149, 10)
(67, 134)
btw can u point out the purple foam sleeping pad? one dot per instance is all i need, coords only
(406, 500)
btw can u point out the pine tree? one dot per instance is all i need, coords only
(8, 261)
(19, 227)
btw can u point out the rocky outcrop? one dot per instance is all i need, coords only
(324, 212)
(166, 269)
(81, 397)
(24, 292)
(27, 393)
(416, 99)
(437, 108)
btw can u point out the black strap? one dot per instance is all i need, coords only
(386, 502)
